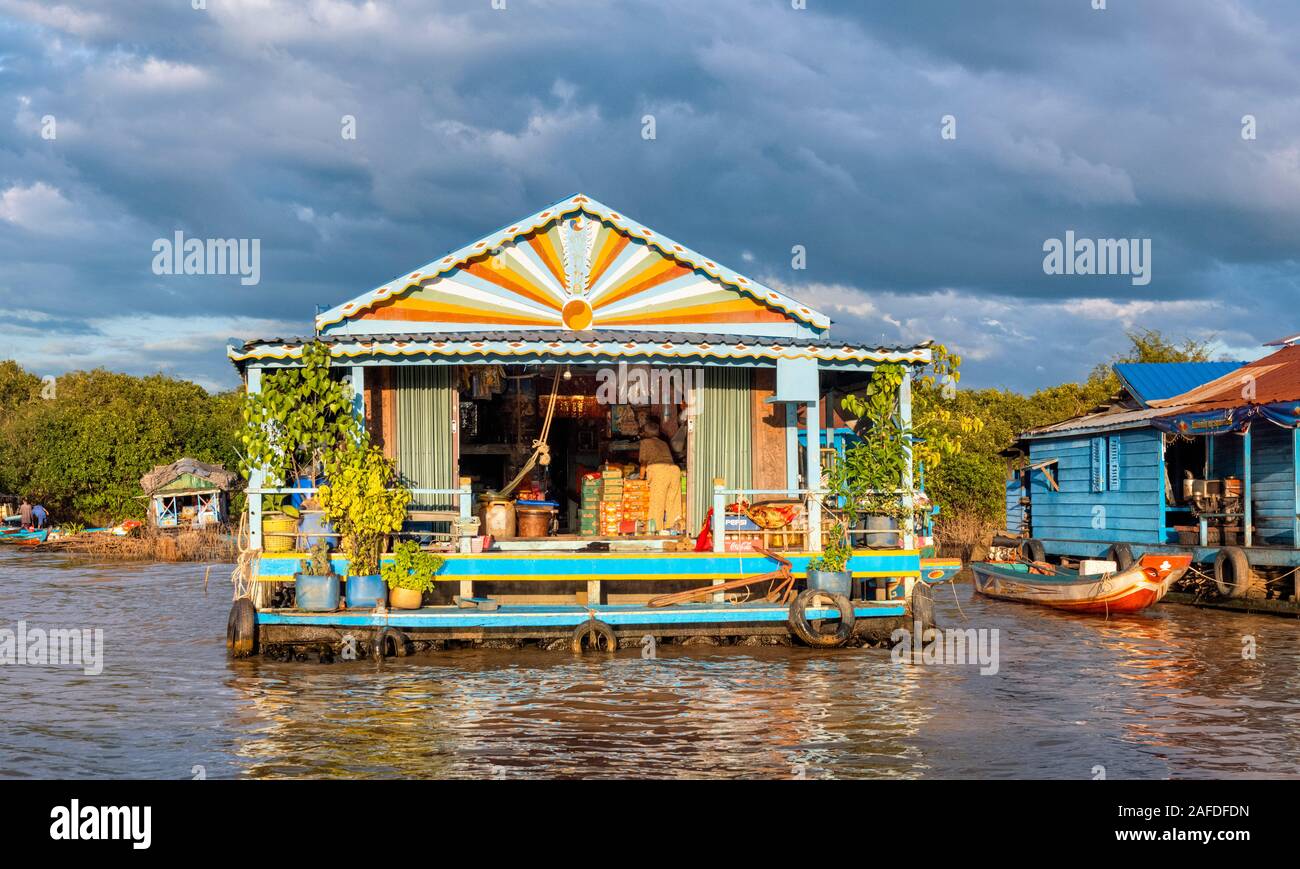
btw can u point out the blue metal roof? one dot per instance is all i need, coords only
(1153, 381)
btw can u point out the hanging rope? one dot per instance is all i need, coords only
(541, 452)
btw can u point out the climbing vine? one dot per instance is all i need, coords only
(299, 415)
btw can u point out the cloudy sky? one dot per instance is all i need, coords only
(125, 122)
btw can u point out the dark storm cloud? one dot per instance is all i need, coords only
(775, 127)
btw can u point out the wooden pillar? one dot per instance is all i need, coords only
(358, 378)
(256, 476)
(908, 481)
(791, 445)
(1247, 459)
(814, 478)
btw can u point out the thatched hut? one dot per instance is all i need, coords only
(188, 493)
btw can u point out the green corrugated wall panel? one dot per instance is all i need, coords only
(722, 444)
(424, 435)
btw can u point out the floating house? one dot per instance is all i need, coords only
(1189, 456)
(188, 494)
(455, 364)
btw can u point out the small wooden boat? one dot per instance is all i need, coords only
(25, 538)
(1125, 591)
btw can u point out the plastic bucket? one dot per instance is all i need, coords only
(840, 582)
(366, 592)
(317, 594)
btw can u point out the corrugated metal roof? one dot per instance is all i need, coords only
(1107, 421)
(1154, 381)
(1274, 378)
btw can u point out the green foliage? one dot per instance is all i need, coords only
(872, 471)
(319, 563)
(412, 568)
(82, 450)
(364, 501)
(17, 386)
(298, 415)
(836, 552)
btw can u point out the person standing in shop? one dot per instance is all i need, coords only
(664, 476)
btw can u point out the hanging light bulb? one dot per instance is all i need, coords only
(568, 375)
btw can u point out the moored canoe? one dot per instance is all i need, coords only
(1125, 591)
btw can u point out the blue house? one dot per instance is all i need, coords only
(1189, 456)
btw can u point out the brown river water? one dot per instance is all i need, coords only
(1166, 694)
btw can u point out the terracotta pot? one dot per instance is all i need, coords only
(404, 598)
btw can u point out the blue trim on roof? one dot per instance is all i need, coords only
(1154, 381)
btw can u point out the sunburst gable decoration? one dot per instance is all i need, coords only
(577, 265)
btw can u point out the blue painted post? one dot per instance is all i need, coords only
(1295, 476)
(1162, 535)
(905, 418)
(1245, 474)
(465, 504)
(719, 525)
(358, 377)
(792, 447)
(814, 475)
(256, 476)
(719, 514)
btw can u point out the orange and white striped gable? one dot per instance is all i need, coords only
(579, 266)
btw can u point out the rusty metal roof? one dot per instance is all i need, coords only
(1275, 378)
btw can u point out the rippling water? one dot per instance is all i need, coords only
(1161, 695)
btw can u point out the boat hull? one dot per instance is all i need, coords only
(1128, 591)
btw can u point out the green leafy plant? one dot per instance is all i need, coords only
(319, 563)
(836, 552)
(868, 478)
(299, 414)
(364, 502)
(412, 568)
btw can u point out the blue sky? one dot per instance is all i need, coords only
(775, 127)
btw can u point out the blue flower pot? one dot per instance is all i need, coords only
(317, 594)
(835, 582)
(366, 592)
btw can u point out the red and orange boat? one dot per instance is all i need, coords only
(1123, 591)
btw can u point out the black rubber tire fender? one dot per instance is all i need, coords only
(241, 629)
(594, 635)
(922, 605)
(1121, 554)
(811, 598)
(1232, 573)
(1032, 550)
(386, 638)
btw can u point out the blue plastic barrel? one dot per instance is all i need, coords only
(366, 592)
(317, 594)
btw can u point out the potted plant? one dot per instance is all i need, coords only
(410, 574)
(364, 503)
(316, 587)
(298, 416)
(830, 570)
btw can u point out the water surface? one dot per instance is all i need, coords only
(1167, 694)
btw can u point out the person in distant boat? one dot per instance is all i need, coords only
(25, 513)
(40, 515)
